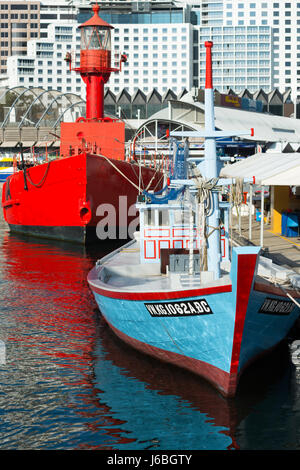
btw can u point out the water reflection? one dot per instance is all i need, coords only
(196, 416)
(69, 383)
(50, 329)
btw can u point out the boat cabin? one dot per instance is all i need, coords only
(166, 234)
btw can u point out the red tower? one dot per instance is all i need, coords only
(94, 132)
(95, 62)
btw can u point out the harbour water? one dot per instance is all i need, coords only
(67, 383)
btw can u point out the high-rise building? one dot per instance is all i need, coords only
(19, 22)
(263, 37)
(44, 65)
(256, 45)
(157, 38)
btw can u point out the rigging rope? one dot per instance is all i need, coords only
(118, 170)
(204, 209)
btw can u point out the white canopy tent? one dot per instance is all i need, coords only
(268, 169)
(265, 169)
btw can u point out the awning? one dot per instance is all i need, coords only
(267, 169)
(44, 144)
(7, 143)
(267, 127)
(29, 143)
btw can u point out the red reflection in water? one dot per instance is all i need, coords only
(56, 316)
(47, 287)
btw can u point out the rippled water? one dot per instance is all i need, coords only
(69, 383)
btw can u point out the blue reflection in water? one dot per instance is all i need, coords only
(153, 417)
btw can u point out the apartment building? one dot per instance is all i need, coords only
(44, 65)
(19, 22)
(157, 38)
(267, 33)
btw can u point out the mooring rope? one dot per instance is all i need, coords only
(118, 170)
(40, 183)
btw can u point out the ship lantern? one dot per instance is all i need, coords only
(95, 62)
(95, 51)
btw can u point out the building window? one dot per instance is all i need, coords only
(18, 7)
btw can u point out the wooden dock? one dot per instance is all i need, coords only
(284, 251)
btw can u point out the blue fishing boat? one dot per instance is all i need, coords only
(180, 291)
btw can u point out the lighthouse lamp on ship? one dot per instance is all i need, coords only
(94, 131)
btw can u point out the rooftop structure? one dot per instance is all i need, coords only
(25, 113)
(33, 115)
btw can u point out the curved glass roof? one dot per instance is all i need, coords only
(37, 107)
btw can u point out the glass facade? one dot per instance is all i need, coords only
(153, 17)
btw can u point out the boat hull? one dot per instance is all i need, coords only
(4, 174)
(225, 330)
(82, 198)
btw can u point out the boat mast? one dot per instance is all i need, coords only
(210, 168)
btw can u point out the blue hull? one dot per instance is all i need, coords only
(215, 335)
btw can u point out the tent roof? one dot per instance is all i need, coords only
(267, 127)
(270, 169)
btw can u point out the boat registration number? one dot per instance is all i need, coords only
(179, 309)
(277, 307)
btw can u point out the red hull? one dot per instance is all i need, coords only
(64, 198)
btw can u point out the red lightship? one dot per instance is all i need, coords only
(59, 199)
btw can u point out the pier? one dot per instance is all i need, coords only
(284, 251)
